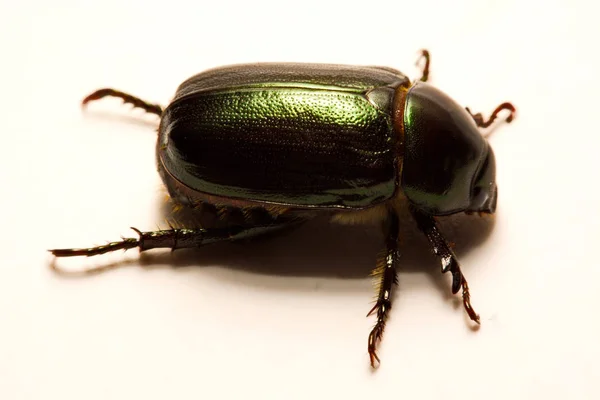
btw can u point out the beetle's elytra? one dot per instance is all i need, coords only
(265, 146)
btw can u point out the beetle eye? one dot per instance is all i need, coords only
(484, 200)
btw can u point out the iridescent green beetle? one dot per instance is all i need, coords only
(266, 146)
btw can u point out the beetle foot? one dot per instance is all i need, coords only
(425, 73)
(381, 307)
(459, 282)
(127, 98)
(467, 302)
(125, 244)
(482, 123)
(374, 338)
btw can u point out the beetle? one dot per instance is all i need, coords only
(267, 146)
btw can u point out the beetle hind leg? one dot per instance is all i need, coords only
(171, 238)
(442, 250)
(174, 238)
(387, 275)
(127, 98)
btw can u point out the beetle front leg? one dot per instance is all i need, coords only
(481, 123)
(386, 272)
(427, 57)
(428, 226)
(127, 98)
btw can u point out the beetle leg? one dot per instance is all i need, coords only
(481, 123)
(428, 226)
(127, 98)
(425, 73)
(170, 239)
(386, 271)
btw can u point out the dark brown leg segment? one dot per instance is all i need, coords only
(171, 239)
(428, 226)
(484, 124)
(386, 271)
(424, 56)
(127, 98)
(174, 239)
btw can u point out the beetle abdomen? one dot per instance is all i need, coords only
(303, 144)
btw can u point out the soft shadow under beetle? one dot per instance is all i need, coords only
(265, 146)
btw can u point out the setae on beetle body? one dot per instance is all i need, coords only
(267, 146)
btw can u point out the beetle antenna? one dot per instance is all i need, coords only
(127, 98)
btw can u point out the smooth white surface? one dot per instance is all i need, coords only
(286, 319)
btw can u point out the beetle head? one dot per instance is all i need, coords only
(448, 165)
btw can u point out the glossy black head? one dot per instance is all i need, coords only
(448, 165)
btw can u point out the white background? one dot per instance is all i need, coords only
(285, 319)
